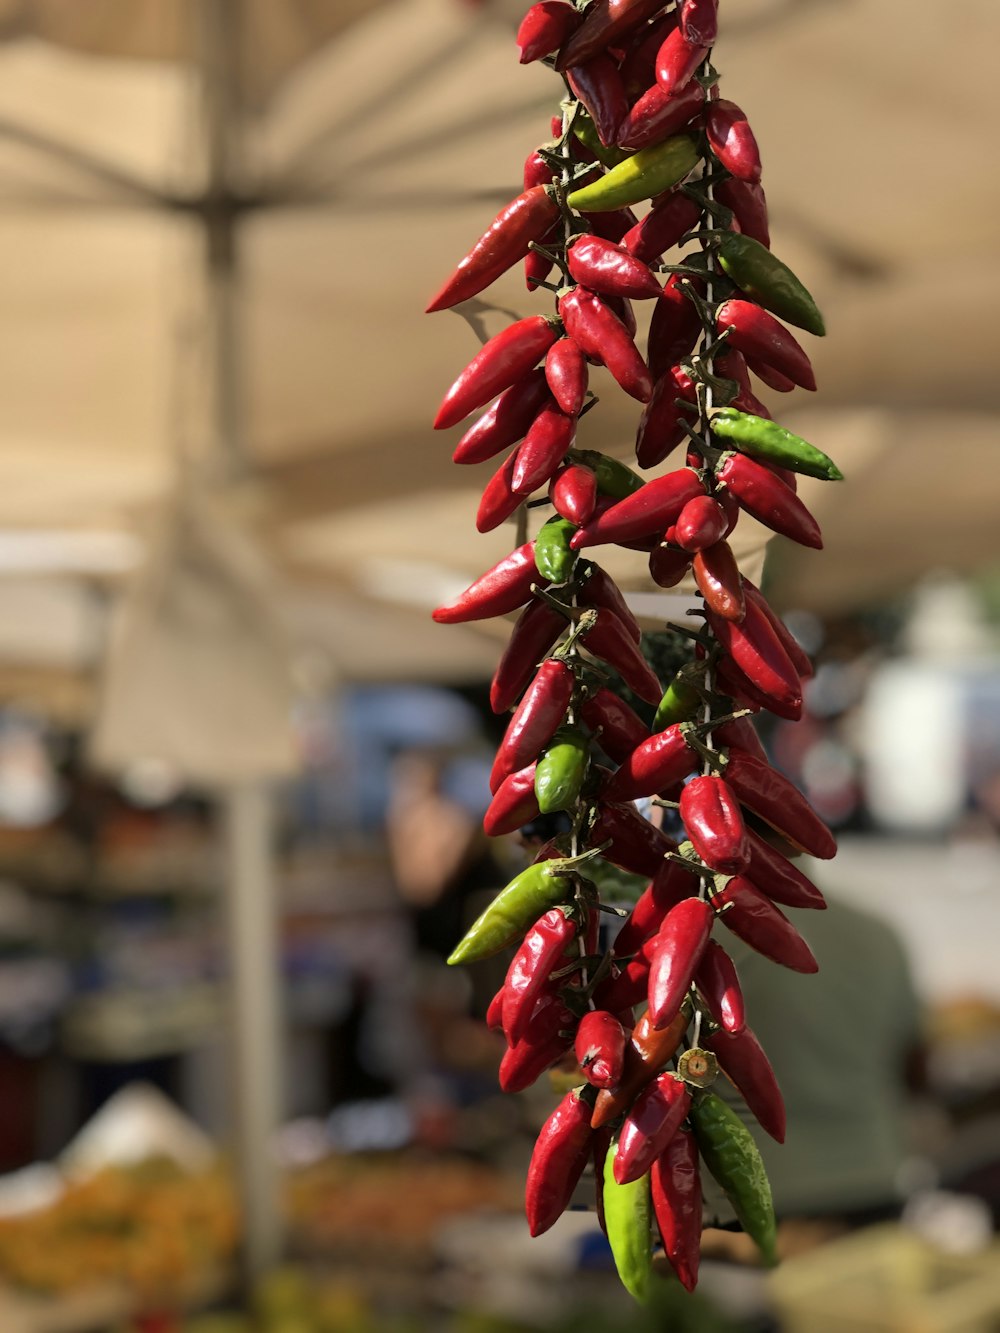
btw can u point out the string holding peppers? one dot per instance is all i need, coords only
(641, 121)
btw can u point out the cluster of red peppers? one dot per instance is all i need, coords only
(641, 121)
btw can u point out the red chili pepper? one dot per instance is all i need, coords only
(545, 27)
(675, 951)
(740, 732)
(663, 226)
(669, 886)
(635, 844)
(504, 360)
(731, 140)
(499, 499)
(494, 1011)
(621, 729)
(701, 523)
(506, 422)
(536, 719)
(600, 590)
(667, 566)
(541, 953)
(677, 60)
(543, 449)
(742, 1059)
(773, 378)
(604, 503)
(609, 640)
(756, 650)
(534, 633)
(573, 492)
(661, 426)
(657, 115)
(647, 1052)
(602, 28)
(746, 911)
(733, 682)
(779, 803)
(719, 986)
(600, 333)
(675, 1182)
(610, 269)
(775, 875)
(598, 85)
(499, 591)
(649, 1126)
(600, 1049)
(566, 374)
(643, 513)
(543, 1043)
(798, 657)
(673, 328)
(514, 803)
(718, 578)
(612, 226)
(766, 497)
(659, 762)
(711, 815)
(746, 199)
(561, 1151)
(638, 67)
(699, 21)
(626, 985)
(507, 239)
(759, 335)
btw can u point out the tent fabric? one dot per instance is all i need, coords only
(282, 227)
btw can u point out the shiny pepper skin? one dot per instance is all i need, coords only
(646, 1054)
(676, 951)
(561, 1152)
(544, 1042)
(628, 1221)
(610, 270)
(758, 652)
(714, 824)
(742, 1059)
(771, 443)
(749, 206)
(734, 1160)
(776, 876)
(655, 1117)
(540, 953)
(608, 639)
(534, 633)
(718, 578)
(504, 588)
(669, 886)
(769, 282)
(719, 987)
(543, 449)
(600, 1049)
(662, 227)
(636, 844)
(505, 422)
(647, 512)
(600, 334)
(620, 727)
(566, 375)
(544, 28)
(514, 803)
(656, 116)
(535, 721)
(675, 1180)
(598, 85)
(573, 492)
(603, 26)
(755, 332)
(677, 60)
(745, 911)
(507, 239)
(644, 175)
(513, 910)
(702, 522)
(768, 499)
(660, 761)
(779, 803)
(732, 140)
(505, 359)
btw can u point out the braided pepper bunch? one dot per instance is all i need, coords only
(641, 121)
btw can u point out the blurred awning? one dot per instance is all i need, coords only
(219, 223)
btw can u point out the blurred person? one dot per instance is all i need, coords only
(847, 1048)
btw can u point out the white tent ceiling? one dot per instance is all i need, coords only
(340, 158)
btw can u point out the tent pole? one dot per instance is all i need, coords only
(254, 1018)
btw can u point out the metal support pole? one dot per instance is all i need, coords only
(254, 1018)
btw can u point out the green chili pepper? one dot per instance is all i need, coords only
(554, 559)
(680, 703)
(514, 909)
(641, 176)
(767, 281)
(765, 439)
(586, 131)
(613, 477)
(732, 1157)
(627, 1217)
(561, 770)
